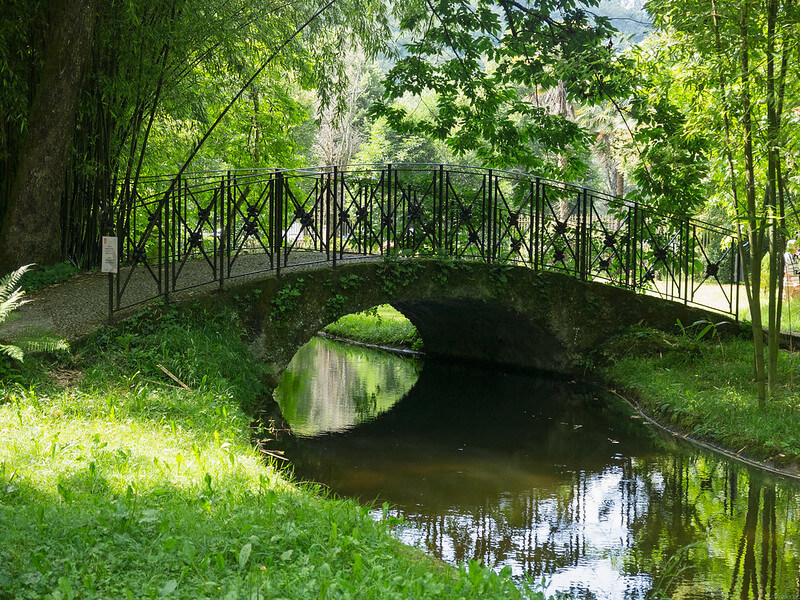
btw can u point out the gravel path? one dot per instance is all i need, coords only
(79, 305)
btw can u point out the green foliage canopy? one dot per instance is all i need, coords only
(486, 62)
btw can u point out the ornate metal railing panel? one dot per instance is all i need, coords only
(206, 228)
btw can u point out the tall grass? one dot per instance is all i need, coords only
(119, 481)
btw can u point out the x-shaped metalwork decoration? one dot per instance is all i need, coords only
(660, 254)
(249, 227)
(195, 239)
(414, 213)
(203, 214)
(139, 254)
(306, 218)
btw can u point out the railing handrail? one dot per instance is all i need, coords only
(222, 217)
(260, 172)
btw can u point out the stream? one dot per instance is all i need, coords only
(556, 480)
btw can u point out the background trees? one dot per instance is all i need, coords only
(147, 80)
(731, 81)
(485, 63)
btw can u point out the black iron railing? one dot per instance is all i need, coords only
(209, 228)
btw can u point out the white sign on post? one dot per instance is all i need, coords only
(109, 264)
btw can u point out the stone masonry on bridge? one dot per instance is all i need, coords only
(468, 311)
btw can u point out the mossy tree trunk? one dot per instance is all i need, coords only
(32, 227)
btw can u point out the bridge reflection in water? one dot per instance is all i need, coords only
(550, 478)
(208, 228)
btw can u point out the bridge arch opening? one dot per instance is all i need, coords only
(481, 331)
(508, 316)
(460, 329)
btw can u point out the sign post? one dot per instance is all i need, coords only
(109, 261)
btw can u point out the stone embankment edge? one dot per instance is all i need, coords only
(406, 352)
(629, 396)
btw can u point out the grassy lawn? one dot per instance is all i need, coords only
(117, 481)
(710, 295)
(706, 389)
(382, 325)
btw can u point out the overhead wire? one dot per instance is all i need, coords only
(230, 104)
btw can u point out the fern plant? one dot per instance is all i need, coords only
(11, 298)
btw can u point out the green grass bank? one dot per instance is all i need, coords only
(381, 326)
(704, 388)
(127, 470)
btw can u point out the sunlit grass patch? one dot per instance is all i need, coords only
(123, 483)
(382, 325)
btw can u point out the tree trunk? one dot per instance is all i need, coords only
(775, 91)
(32, 228)
(755, 225)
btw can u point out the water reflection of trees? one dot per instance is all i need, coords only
(555, 481)
(732, 515)
(354, 384)
(728, 518)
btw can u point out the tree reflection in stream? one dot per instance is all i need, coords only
(553, 479)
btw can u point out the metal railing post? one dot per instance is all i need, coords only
(219, 226)
(335, 221)
(164, 232)
(489, 226)
(439, 246)
(688, 284)
(277, 211)
(537, 224)
(633, 242)
(585, 235)
(386, 218)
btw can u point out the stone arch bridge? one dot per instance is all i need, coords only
(494, 314)
(489, 265)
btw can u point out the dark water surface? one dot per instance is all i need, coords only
(550, 478)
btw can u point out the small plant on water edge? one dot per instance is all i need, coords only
(670, 573)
